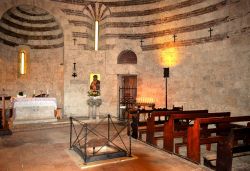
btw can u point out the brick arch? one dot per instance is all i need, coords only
(127, 57)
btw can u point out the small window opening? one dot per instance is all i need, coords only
(22, 62)
(96, 35)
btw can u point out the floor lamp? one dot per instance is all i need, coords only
(166, 75)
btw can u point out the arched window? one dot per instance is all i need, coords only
(22, 62)
(96, 35)
(127, 57)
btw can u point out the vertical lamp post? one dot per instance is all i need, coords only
(166, 75)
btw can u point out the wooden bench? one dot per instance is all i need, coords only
(4, 129)
(228, 149)
(229, 146)
(154, 125)
(196, 132)
(171, 130)
(139, 127)
(157, 123)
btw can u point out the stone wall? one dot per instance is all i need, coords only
(45, 73)
(206, 72)
(37, 31)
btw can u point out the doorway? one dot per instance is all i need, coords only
(127, 94)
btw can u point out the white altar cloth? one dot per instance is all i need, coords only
(34, 109)
(30, 102)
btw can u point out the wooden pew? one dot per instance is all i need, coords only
(135, 115)
(4, 129)
(153, 127)
(195, 133)
(155, 123)
(139, 127)
(229, 146)
(171, 130)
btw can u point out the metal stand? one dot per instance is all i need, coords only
(100, 141)
(166, 92)
(166, 75)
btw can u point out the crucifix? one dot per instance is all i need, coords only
(74, 41)
(141, 41)
(74, 74)
(210, 31)
(174, 36)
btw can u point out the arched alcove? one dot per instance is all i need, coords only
(31, 27)
(127, 57)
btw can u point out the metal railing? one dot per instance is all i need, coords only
(104, 140)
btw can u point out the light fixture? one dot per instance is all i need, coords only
(74, 74)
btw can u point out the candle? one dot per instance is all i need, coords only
(47, 91)
(34, 92)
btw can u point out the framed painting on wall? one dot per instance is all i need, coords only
(95, 84)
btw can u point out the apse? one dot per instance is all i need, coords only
(31, 41)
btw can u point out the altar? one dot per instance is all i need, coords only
(28, 110)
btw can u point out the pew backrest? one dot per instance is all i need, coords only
(155, 120)
(171, 130)
(194, 136)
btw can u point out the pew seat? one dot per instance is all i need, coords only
(196, 138)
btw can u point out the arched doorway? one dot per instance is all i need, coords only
(127, 83)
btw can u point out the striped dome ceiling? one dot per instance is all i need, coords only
(32, 26)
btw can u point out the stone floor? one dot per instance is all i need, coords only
(45, 147)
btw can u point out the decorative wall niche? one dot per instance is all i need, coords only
(127, 57)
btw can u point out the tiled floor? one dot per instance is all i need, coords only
(45, 147)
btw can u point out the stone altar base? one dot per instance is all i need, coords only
(34, 114)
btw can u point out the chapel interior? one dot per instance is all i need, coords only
(168, 80)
